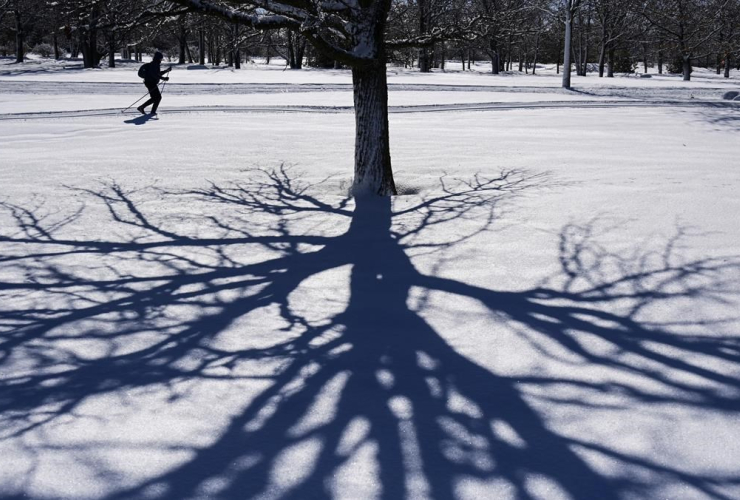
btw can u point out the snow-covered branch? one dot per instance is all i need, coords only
(468, 32)
(278, 19)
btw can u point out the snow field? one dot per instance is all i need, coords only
(191, 307)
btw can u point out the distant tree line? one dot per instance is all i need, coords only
(606, 36)
(600, 36)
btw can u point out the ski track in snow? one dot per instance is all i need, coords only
(427, 108)
(602, 97)
(117, 88)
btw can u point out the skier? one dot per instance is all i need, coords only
(151, 74)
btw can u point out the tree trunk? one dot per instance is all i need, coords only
(727, 65)
(299, 51)
(660, 62)
(560, 51)
(578, 54)
(686, 68)
(645, 58)
(567, 48)
(509, 54)
(268, 46)
(55, 41)
(610, 71)
(90, 55)
(587, 44)
(425, 64)
(201, 47)
(291, 51)
(237, 56)
(19, 49)
(112, 50)
(521, 60)
(373, 174)
(495, 65)
(296, 49)
(602, 50)
(19, 42)
(574, 60)
(89, 42)
(494, 53)
(183, 43)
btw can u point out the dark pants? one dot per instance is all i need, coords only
(154, 97)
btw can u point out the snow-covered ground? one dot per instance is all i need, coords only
(192, 307)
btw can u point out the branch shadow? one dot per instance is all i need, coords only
(364, 392)
(722, 119)
(32, 66)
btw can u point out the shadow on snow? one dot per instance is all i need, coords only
(386, 376)
(141, 119)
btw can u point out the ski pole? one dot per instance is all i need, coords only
(139, 99)
(165, 82)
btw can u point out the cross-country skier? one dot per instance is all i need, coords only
(151, 74)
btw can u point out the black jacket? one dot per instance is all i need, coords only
(152, 74)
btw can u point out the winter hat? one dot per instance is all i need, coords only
(158, 55)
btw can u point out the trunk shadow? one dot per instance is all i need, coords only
(373, 396)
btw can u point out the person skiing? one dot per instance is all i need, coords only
(151, 74)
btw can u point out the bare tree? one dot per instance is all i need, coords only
(728, 40)
(88, 19)
(686, 24)
(24, 13)
(615, 19)
(585, 22)
(296, 45)
(570, 7)
(504, 21)
(352, 32)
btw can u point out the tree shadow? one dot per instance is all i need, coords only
(369, 394)
(722, 119)
(33, 66)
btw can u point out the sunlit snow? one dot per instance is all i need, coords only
(193, 307)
